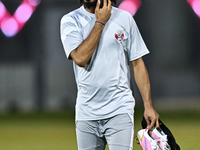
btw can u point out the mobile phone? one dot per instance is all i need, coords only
(101, 4)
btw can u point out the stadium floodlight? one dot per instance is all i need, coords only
(130, 6)
(11, 25)
(195, 4)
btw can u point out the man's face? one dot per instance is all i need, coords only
(90, 3)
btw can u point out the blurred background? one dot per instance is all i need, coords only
(35, 75)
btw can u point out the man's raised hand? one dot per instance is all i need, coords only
(103, 14)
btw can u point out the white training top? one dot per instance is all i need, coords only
(104, 83)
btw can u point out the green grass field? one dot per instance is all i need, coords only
(47, 131)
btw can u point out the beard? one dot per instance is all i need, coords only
(89, 4)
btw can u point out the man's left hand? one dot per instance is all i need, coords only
(151, 117)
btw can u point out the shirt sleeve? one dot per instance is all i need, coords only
(70, 35)
(136, 46)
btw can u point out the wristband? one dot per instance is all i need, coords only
(100, 22)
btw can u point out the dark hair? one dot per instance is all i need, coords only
(114, 1)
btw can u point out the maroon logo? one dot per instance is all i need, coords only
(119, 35)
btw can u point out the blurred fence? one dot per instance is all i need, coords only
(17, 87)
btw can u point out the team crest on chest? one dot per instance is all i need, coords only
(119, 35)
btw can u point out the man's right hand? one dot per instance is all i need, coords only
(103, 14)
(83, 53)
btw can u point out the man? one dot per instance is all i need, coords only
(102, 40)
